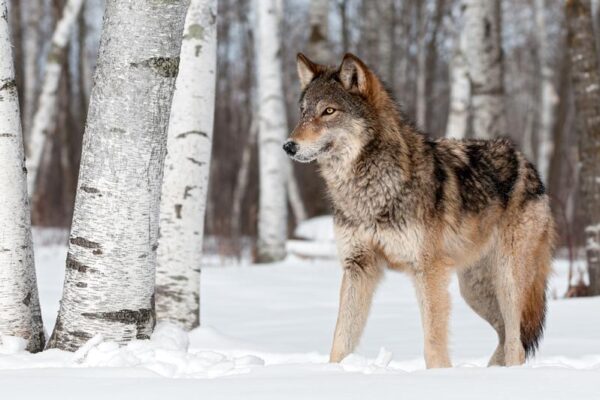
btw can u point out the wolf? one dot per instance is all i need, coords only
(425, 207)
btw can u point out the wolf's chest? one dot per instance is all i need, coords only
(400, 246)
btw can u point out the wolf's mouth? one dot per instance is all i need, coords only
(303, 159)
(306, 158)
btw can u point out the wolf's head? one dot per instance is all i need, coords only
(340, 110)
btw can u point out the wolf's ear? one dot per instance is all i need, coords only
(354, 74)
(306, 69)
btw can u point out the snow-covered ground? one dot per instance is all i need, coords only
(267, 332)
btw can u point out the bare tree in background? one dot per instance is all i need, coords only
(586, 87)
(32, 14)
(272, 223)
(241, 181)
(342, 6)
(482, 25)
(460, 87)
(319, 46)
(15, 8)
(47, 104)
(428, 29)
(185, 183)
(547, 98)
(386, 10)
(19, 305)
(110, 267)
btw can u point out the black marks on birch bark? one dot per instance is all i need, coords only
(198, 163)
(178, 208)
(186, 134)
(167, 67)
(195, 31)
(187, 190)
(81, 335)
(164, 292)
(9, 85)
(487, 26)
(77, 266)
(27, 299)
(81, 242)
(6, 135)
(90, 190)
(141, 318)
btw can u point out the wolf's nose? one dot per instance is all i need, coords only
(290, 148)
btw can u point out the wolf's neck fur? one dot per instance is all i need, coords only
(379, 171)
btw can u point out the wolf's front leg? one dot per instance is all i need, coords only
(361, 275)
(434, 302)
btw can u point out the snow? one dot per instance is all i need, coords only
(266, 335)
(317, 229)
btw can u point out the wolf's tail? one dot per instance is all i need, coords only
(533, 314)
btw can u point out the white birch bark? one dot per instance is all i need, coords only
(19, 306)
(548, 97)
(460, 87)
(110, 268)
(46, 110)
(318, 44)
(187, 166)
(483, 55)
(272, 212)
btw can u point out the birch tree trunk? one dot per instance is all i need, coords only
(110, 268)
(318, 44)
(482, 19)
(548, 98)
(46, 111)
(19, 305)
(187, 165)
(586, 88)
(460, 89)
(272, 213)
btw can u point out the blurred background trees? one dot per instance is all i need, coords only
(450, 63)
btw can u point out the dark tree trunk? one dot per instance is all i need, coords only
(586, 89)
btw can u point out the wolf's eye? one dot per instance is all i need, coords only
(329, 111)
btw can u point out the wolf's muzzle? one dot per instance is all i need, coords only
(290, 148)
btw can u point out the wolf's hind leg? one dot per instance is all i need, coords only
(477, 288)
(509, 295)
(361, 276)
